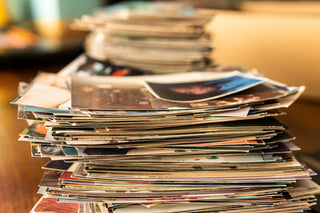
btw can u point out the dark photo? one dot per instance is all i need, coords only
(202, 90)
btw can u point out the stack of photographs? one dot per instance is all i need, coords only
(188, 142)
(148, 36)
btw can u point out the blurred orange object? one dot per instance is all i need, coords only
(21, 37)
(17, 38)
(4, 18)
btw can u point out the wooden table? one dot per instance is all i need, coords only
(20, 174)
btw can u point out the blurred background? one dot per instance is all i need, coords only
(279, 38)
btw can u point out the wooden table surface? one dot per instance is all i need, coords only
(20, 174)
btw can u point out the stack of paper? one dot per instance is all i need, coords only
(151, 37)
(190, 142)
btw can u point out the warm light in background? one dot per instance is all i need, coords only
(280, 39)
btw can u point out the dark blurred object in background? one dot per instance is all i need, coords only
(213, 4)
(36, 31)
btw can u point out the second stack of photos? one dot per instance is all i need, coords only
(170, 38)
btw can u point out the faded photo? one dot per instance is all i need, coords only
(51, 150)
(40, 95)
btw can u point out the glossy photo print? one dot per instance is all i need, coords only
(202, 90)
